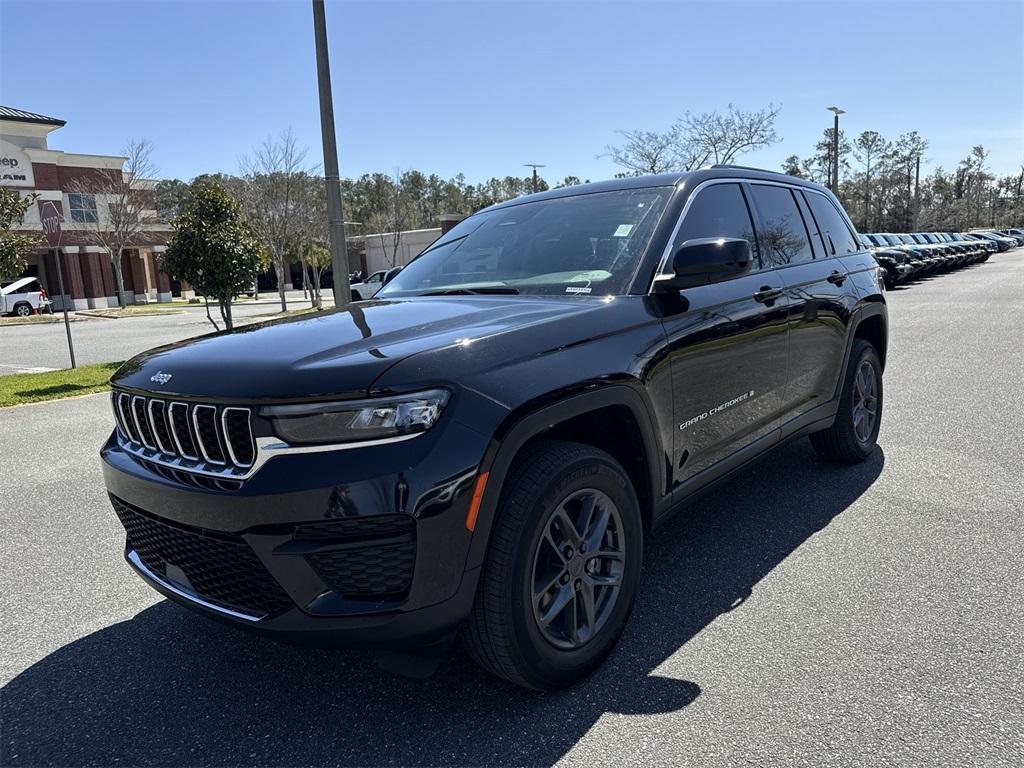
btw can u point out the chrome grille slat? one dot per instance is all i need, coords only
(117, 415)
(142, 425)
(199, 438)
(205, 449)
(191, 455)
(126, 417)
(161, 427)
(241, 449)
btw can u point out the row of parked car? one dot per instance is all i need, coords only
(908, 256)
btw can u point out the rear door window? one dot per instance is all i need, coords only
(782, 232)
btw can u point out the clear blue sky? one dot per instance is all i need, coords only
(484, 87)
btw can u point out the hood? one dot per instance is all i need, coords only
(337, 352)
(891, 252)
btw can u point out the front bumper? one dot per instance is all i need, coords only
(365, 547)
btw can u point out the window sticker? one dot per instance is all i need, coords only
(622, 230)
(578, 289)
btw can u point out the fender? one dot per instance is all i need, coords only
(872, 306)
(501, 451)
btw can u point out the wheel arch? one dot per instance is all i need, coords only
(873, 326)
(614, 418)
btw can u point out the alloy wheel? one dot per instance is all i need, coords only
(578, 568)
(865, 401)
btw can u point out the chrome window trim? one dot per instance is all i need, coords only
(136, 561)
(199, 437)
(135, 416)
(227, 437)
(152, 424)
(174, 431)
(739, 180)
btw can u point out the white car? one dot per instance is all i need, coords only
(23, 297)
(368, 287)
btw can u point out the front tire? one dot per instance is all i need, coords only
(562, 568)
(22, 310)
(853, 435)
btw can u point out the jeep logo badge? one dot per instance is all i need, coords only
(160, 377)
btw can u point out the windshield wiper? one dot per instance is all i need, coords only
(489, 289)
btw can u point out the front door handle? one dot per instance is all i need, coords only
(766, 294)
(836, 278)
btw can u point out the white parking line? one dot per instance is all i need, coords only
(26, 368)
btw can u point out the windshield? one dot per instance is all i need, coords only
(579, 245)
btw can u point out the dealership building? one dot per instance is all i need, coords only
(29, 165)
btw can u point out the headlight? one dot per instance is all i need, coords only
(356, 421)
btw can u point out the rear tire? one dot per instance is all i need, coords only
(546, 638)
(22, 309)
(853, 435)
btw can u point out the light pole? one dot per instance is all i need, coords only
(535, 166)
(336, 226)
(835, 149)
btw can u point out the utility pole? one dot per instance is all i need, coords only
(917, 191)
(835, 149)
(339, 251)
(535, 166)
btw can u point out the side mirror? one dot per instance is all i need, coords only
(390, 275)
(706, 260)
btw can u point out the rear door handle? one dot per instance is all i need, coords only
(836, 278)
(766, 294)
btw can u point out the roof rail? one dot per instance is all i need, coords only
(744, 168)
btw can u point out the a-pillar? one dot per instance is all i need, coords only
(163, 280)
(74, 288)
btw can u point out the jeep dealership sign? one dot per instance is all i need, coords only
(15, 167)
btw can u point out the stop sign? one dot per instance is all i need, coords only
(50, 218)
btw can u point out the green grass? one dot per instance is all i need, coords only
(31, 319)
(20, 388)
(133, 310)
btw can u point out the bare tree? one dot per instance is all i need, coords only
(311, 230)
(696, 140)
(391, 218)
(869, 146)
(274, 177)
(721, 138)
(318, 259)
(910, 149)
(118, 210)
(645, 151)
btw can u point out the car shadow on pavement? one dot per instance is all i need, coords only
(168, 687)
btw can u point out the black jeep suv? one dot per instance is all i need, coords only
(482, 448)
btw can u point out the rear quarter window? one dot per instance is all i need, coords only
(839, 239)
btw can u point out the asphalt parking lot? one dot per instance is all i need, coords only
(804, 614)
(40, 346)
